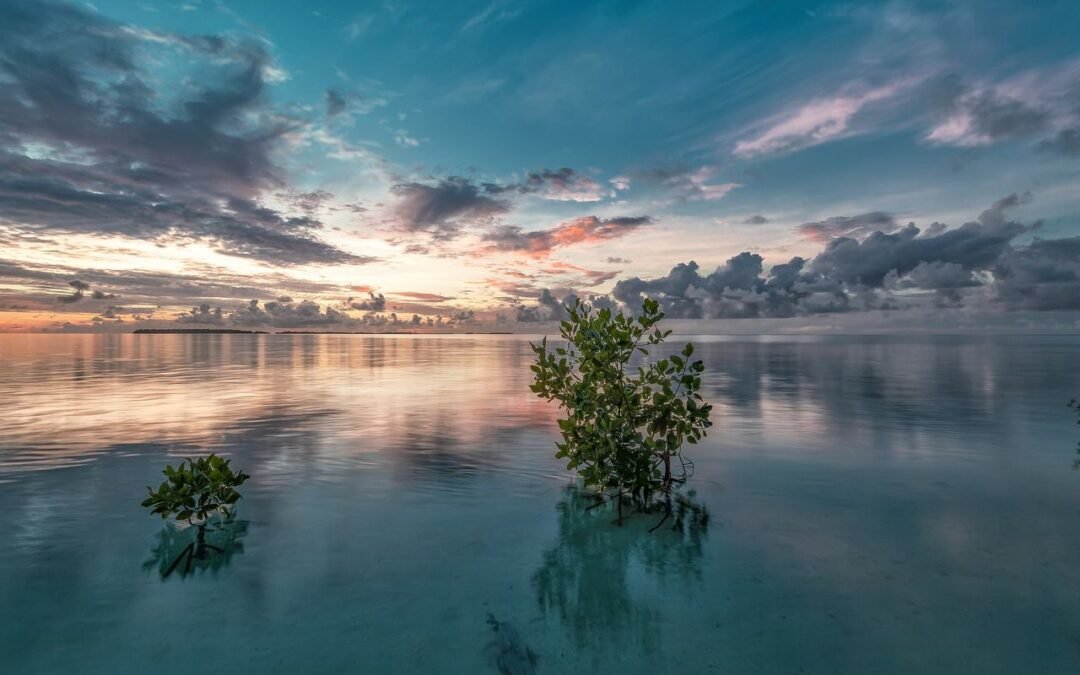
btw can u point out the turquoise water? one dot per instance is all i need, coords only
(877, 505)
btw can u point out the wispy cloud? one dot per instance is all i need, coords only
(1032, 104)
(683, 183)
(493, 13)
(473, 90)
(812, 123)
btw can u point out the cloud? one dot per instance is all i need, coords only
(99, 135)
(812, 123)
(756, 220)
(549, 308)
(402, 138)
(1045, 275)
(358, 26)
(423, 297)
(493, 13)
(443, 208)
(883, 270)
(689, 184)
(563, 184)
(76, 295)
(973, 245)
(984, 117)
(848, 226)
(306, 314)
(473, 90)
(585, 276)
(79, 289)
(374, 303)
(447, 205)
(1065, 143)
(205, 284)
(203, 315)
(335, 103)
(540, 243)
(1032, 103)
(284, 313)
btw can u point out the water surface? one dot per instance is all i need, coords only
(878, 505)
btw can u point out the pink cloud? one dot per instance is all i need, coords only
(815, 122)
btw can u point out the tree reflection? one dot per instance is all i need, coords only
(224, 536)
(592, 578)
(1075, 405)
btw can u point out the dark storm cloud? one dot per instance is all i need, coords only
(540, 243)
(443, 208)
(1065, 143)
(847, 226)
(1045, 275)
(974, 245)
(95, 141)
(945, 279)
(884, 270)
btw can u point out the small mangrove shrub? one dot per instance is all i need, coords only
(194, 491)
(623, 427)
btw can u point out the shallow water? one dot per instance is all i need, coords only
(878, 505)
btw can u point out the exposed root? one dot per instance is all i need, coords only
(667, 513)
(188, 551)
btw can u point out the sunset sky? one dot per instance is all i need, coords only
(287, 165)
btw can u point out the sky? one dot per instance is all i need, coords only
(476, 165)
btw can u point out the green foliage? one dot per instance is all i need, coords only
(622, 431)
(196, 489)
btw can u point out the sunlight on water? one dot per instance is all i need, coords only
(876, 506)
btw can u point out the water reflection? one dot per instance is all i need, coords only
(880, 505)
(591, 579)
(175, 553)
(900, 396)
(70, 396)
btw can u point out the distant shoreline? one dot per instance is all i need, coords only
(235, 331)
(200, 331)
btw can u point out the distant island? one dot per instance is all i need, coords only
(344, 332)
(200, 331)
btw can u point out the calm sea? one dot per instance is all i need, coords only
(878, 505)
